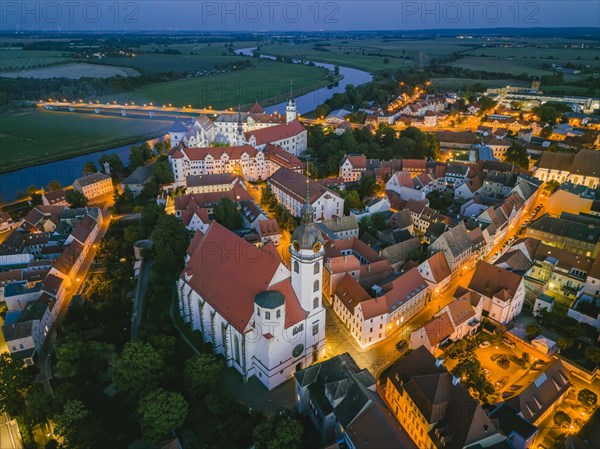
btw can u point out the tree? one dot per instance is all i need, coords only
(587, 398)
(202, 373)
(139, 369)
(551, 186)
(89, 168)
(551, 112)
(227, 213)
(561, 419)
(352, 201)
(76, 199)
(171, 240)
(15, 378)
(39, 405)
(517, 154)
(378, 221)
(532, 331)
(139, 155)
(565, 343)
(440, 201)
(36, 199)
(486, 104)
(161, 411)
(281, 431)
(592, 353)
(117, 169)
(53, 185)
(72, 424)
(162, 172)
(526, 358)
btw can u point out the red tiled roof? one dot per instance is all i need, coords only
(282, 158)
(357, 160)
(56, 196)
(228, 272)
(82, 231)
(294, 184)
(438, 328)
(439, 266)
(490, 280)
(276, 133)
(69, 256)
(52, 284)
(256, 109)
(268, 227)
(350, 293)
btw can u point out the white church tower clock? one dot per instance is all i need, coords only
(307, 253)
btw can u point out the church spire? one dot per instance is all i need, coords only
(307, 211)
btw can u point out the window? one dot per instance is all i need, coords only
(316, 286)
(278, 314)
(267, 315)
(315, 303)
(296, 266)
(316, 268)
(258, 311)
(315, 329)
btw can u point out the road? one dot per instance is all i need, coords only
(140, 295)
(10, 438)
(44, 361)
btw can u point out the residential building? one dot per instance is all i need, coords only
(342, 403)
(519, 432)
(433, 406)
(579, 168)
(340, 227)
(503, 291)
(459, 319)
(269, 231)
(574, 233)
(370, 319)
(55, 198)
(539, 399)
(456, 245)
(436, 271)
(136, 181)
(94, 185)
(352, 167)
(292, 189)
(218, 182)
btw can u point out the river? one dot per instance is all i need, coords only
(67, 170)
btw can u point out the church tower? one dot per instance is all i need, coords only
(291, 112)
(239, 135)
(307, 253)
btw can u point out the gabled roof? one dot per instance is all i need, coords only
(350, 293)
(542, 393)
(490, 280)
(230, 279)
(268, 227)
(294, 184)
(92, 179)
(275, 133)
(437, 396)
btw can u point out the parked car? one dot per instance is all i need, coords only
(486, 372)
(402, 345)
(484, 344)
(508, 343)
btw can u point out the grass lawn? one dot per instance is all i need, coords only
(31, 137)
(267, 80)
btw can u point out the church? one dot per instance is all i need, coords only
(266, 321)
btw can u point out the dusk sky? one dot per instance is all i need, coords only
(294, 15)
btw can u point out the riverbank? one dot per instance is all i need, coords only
(31, 137)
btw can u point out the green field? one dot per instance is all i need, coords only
(514, 67)
(458, 83)
(268, 79)
(25, 59)
(562, 54)
(349, 57)
(30, 137)
(204, 57)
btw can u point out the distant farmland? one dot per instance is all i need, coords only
(73, 71)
